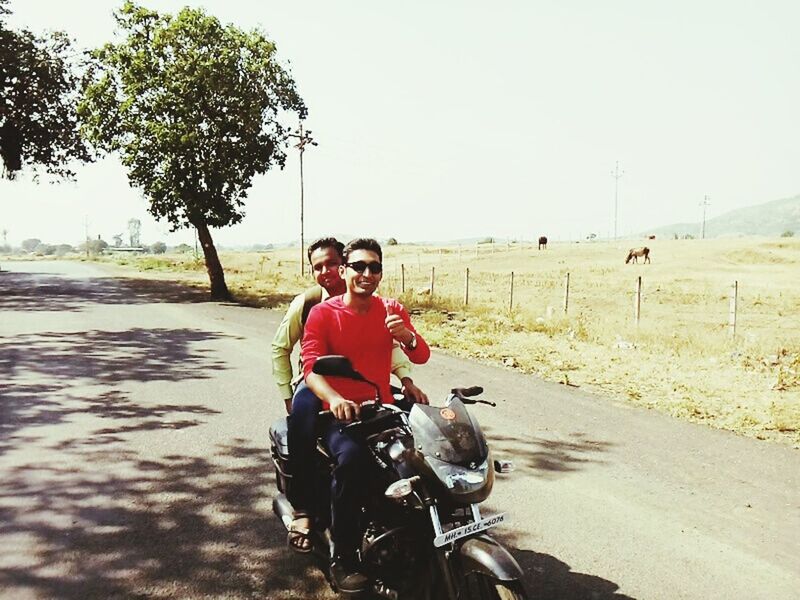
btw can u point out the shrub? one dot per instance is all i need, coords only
(158, 248)
(788, 233)
(391, 242)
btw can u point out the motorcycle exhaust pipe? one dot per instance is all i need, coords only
(283, 509)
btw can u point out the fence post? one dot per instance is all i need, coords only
(637, 301)
(566, 292)
(732, 308)
(402, 278)
(466, 288)
(433, 270)
(511, 297)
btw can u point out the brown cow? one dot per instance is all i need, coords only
(634, 253)
(543, 242)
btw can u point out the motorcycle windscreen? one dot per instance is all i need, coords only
(449, 434)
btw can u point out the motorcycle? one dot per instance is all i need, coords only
(423, 534)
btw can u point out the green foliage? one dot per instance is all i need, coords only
(38, 94)
(183, 248)
(192, 106)
(391, 242)
(787, 234)
(158, 248)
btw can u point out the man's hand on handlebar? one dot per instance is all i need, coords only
(412, 392)
(345, 410)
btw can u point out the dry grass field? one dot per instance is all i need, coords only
(680, 359)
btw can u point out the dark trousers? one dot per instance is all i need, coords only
(351, 475)
(302, 431)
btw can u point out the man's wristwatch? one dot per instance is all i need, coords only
(413, 343)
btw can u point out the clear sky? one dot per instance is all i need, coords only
(452, 119)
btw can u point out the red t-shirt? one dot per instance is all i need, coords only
(333, 328)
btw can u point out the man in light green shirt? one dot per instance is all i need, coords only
(325, 256)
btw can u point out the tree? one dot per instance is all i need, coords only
(788, 233)
(38, 98)
(158, 248)
(63, 249)
(31, 244)
(193, 109)
(95, 246)
(391, 242)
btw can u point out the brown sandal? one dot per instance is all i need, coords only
(299, 538)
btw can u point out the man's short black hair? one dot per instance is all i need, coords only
(363, 244)
(327, 242)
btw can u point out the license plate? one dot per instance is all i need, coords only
(465, 530)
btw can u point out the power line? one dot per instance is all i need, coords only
(616, 175)
(303, 138)
(704, 204)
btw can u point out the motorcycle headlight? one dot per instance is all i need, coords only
(461, 480)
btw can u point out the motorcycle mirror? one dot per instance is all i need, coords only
(335, 365)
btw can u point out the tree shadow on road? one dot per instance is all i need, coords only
(48, 292)
(40, 372)
(181, 526)
(549, 456)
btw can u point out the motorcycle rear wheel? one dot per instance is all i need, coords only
(483, 587)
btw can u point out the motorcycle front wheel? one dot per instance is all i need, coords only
(482, 587)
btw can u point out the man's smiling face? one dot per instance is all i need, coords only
(366, 282)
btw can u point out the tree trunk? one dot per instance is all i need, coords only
(219, 290)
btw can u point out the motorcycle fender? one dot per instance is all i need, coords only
(482, 554)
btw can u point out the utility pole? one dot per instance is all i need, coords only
(704, 204)
(303, 138)
(616, 175)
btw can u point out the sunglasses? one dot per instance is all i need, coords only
(360, 266)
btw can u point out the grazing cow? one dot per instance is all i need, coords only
(651, 237)
(635, 253)
(543, 242)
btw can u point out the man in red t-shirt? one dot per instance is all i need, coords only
(363, 327)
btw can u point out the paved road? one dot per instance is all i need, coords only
(133, 462)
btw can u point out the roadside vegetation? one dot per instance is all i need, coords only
(681, 359)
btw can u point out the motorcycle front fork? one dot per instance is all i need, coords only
(450, 573)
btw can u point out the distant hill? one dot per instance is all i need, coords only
(769, 219)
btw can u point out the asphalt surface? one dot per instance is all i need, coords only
(134, 463)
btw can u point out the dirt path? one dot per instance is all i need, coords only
(133, 419)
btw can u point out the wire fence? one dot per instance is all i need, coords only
(456, 278)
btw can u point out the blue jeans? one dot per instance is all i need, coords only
(351, 476)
